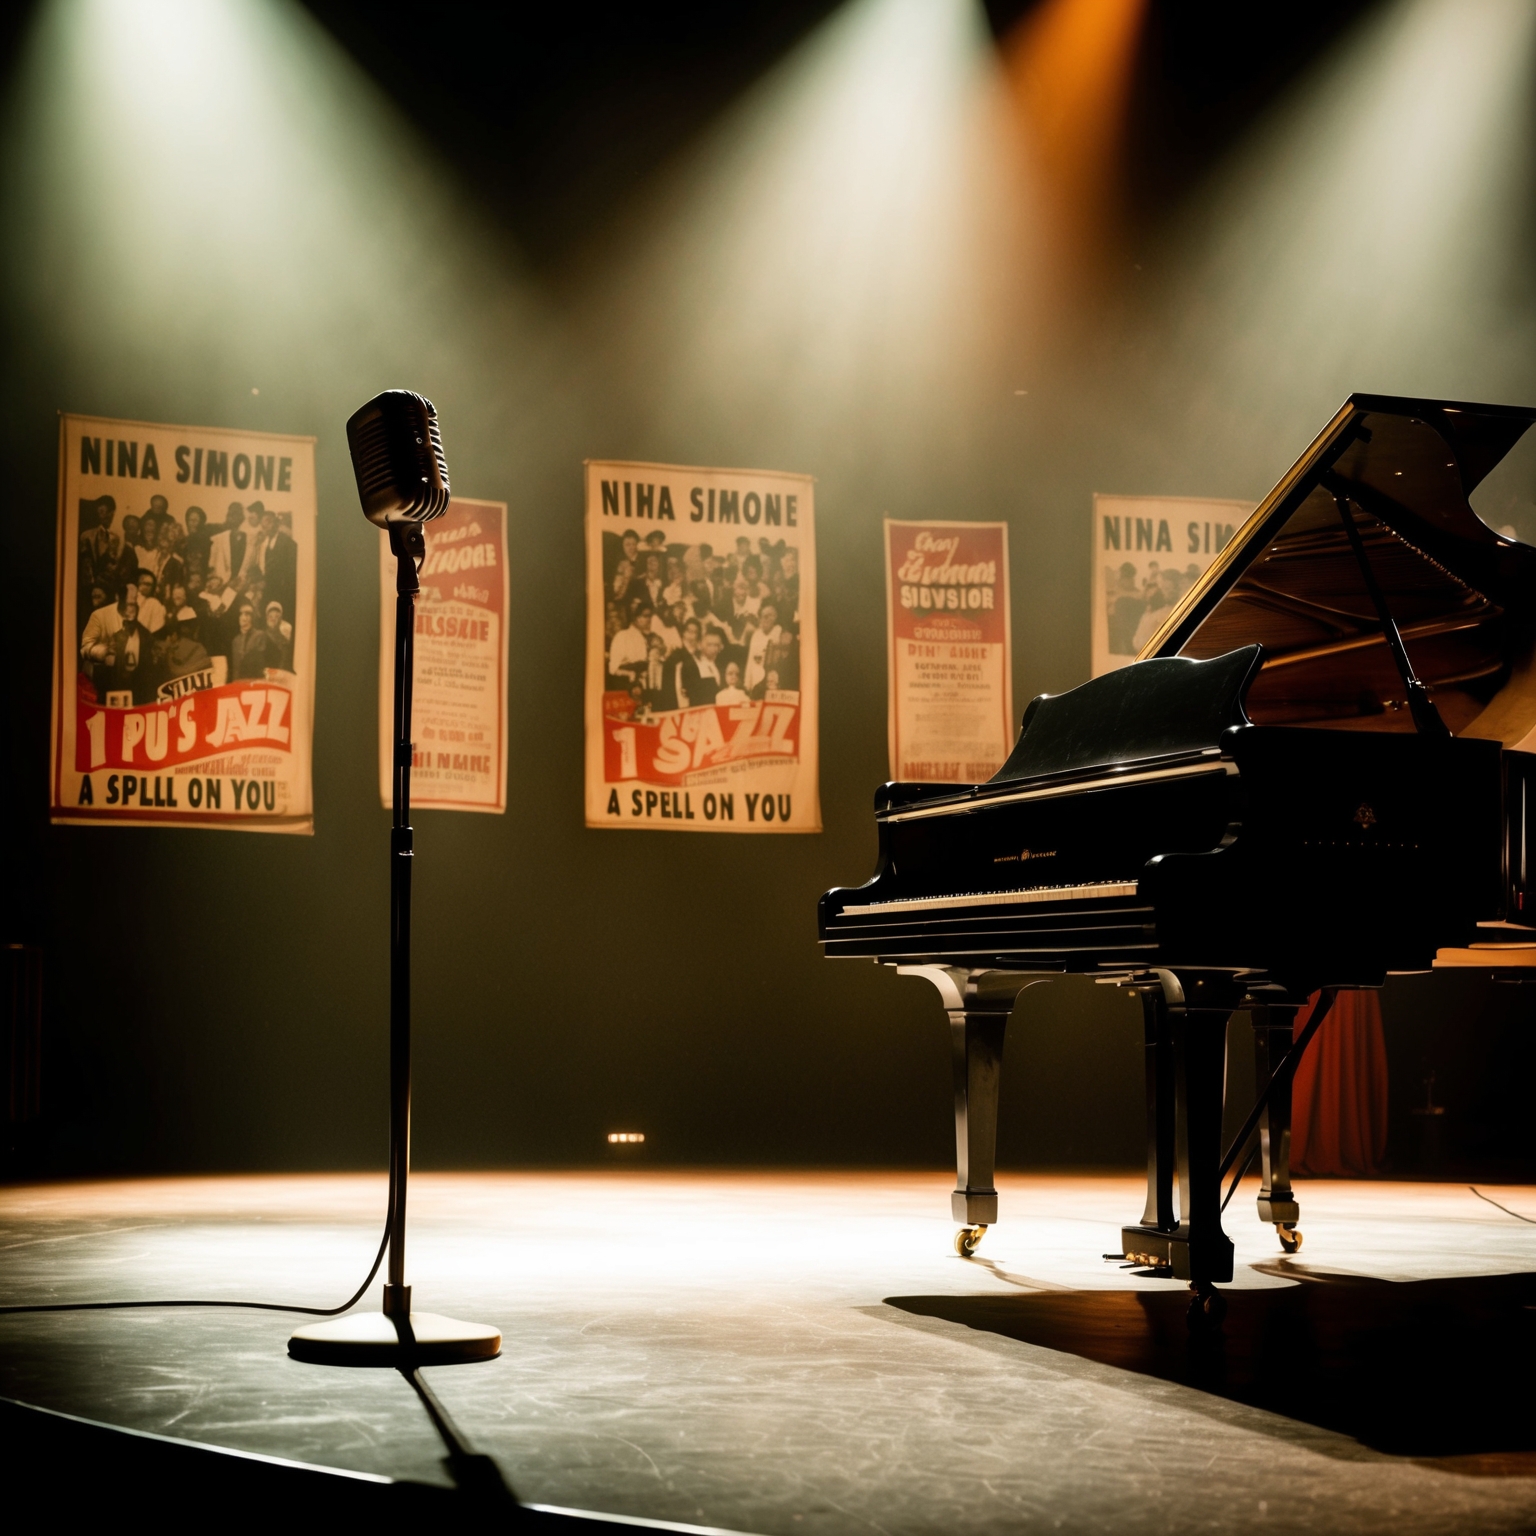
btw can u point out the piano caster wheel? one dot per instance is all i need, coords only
(1207, 1309)
(1290, 1238)
(967, 1239)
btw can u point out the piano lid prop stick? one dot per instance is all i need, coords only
(1240, 1175)
(1426, 718)
(1283, 1073)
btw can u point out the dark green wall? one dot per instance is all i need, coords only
(218, 1000)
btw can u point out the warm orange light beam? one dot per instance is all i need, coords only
(1070, 64)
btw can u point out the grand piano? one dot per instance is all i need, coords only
(1317, 774)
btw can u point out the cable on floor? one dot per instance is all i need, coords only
(258, 1306)
(1528, 1220)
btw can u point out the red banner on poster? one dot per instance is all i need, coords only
(669, 748)
(163, 735)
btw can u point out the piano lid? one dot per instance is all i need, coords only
(1463, 598)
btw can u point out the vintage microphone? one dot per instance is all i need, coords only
(402, 481)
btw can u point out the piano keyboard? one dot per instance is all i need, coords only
(998, 898)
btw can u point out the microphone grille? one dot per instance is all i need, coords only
(397, 456)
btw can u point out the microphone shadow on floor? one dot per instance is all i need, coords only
(1426, 1369)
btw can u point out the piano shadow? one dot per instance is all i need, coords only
(1426, 1369)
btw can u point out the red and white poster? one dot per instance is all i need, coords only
(184, 627)
(701, 687)
(459, 704)
(950, 651)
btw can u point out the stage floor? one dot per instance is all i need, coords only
(797, 1353)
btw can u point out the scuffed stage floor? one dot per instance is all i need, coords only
(797, 1353)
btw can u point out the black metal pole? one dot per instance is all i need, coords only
(408, 545)
(1283, 1073)
(1426, 718)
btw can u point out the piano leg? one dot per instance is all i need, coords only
(978, 1004)
(1277, 1201)
(1160, 1112)
(1200, 1053)
(1186, 1093)
(976, 1054)
(1158, 1219)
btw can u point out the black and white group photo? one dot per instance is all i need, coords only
(692, 624)
(1139, 595)
(162, 597)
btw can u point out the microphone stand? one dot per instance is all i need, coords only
(409, 549)
(397, 1336)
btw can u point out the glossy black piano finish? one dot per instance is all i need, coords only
(1236, 855)
(1312, 778)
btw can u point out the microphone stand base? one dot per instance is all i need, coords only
(374, 1339)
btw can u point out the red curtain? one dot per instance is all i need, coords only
(1339, 1100)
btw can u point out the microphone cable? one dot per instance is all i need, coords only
(474, 1473)
(256, 1306)
(1529, 1220)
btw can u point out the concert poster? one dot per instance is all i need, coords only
(1148, 551)
(459, 703)
(701, 676)
(184, 627)
(949, 651)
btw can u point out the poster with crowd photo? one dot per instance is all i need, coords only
(701, 649)
(949, 651)
(1148, 551)
(459, 703)
(184, 627)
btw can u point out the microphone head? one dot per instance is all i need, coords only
(397, 456)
